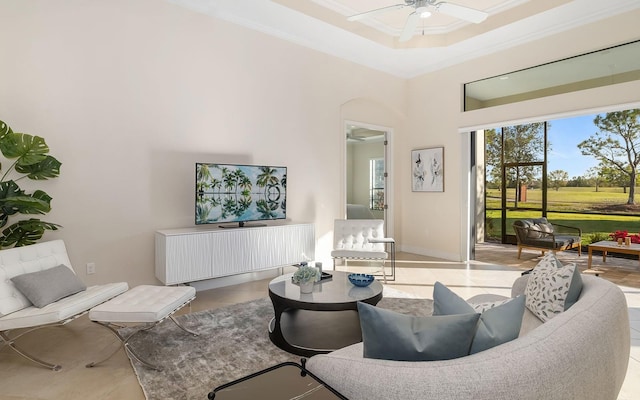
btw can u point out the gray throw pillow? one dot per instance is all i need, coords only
(499, 323)
(534, 232)
(545, 227)
(49, 285)
(388, 335)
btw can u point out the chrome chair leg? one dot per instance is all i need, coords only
(7, 341)
(124, 340)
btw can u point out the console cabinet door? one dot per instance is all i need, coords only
(188, 255)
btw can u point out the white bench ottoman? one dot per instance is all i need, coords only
(144, 305)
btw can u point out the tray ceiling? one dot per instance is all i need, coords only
(439, 41)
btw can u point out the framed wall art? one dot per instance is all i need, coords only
(427, 170)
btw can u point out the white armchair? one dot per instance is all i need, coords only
(18, 313)
(363, 239)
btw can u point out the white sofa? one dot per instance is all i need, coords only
(17, 312)
(582, 353)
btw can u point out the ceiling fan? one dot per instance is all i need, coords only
(422, 10)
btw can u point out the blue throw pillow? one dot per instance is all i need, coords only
(497, 325)
(388, 335)
(575, 288)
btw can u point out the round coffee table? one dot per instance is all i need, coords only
(318, 322)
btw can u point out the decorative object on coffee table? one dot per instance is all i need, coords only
(305, 277)
(361, 280)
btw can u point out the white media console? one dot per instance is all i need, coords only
(194, 254)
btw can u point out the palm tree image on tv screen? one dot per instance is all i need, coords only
(229, 193)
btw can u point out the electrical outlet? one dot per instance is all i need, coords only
(91, 268)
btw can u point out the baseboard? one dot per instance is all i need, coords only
(240, 278)
(429, 253)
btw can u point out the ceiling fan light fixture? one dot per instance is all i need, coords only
(423, 12)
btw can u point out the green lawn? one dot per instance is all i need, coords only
(594, 226)
(590, 210)
(565, 199)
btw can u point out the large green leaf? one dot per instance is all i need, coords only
(4, 129)
(27, 204)
(37, 203)
(24, 205)
(25, 232)
(26, 148)
(8, 190)
(14, 200)
(45, 169)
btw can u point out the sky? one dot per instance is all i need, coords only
(564, 135)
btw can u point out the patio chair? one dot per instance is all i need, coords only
(540, 234)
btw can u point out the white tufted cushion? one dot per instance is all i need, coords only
(22, 260)
(63, 308)
(351, 238)
(143, 303)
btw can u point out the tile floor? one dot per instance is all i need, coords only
(81, 342)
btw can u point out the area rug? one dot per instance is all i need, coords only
(233, 342)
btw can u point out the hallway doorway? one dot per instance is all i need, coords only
(367, 173)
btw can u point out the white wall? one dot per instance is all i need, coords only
(435, 118)
(130, 94)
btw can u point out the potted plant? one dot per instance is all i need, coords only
(306, 276)
(28, 158)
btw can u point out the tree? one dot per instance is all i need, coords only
(522, 144)
(617, 144)
(615, 177)
(578, 181)
(558, 178)
(594, 174)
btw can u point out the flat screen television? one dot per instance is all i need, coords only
(234, 193)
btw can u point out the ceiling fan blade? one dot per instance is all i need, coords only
(371, 13)
(462, 12)
(410, 27)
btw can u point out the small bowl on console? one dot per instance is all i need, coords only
(361, 280)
